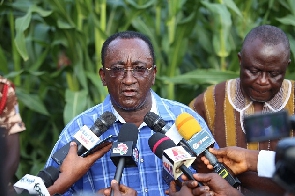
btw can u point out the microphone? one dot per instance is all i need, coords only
(87, 138)
(37, 184)
(199, 140)
(156, 123)
(49, 175)
(124, 152)
(175, 158)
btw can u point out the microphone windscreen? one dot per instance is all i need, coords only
(187, 125)
(128, 132)
(49, 175)
(150, 118)
(103, 123)
(154, 121)
(159, 142)
(107, 118)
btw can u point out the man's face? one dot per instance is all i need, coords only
(128, 90)
(262, 69)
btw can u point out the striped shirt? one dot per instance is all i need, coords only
(146, 178)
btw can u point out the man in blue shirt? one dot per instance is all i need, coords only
(128, 71)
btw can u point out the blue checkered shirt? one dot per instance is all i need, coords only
(146, 178)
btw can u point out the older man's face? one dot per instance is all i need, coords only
(128, 89)
(262, 70)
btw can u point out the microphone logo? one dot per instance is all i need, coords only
(175, 157)
(196, 145)
(121, 149)
(179, 154)
(200, 141)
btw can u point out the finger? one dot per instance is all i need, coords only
(205, 160)
(183, 177)
(202, 177)
(98, 154)
(167, 192)
(73, 148)
(123, 188)
(115, 185)
(218, 152)
(210, 167)
(203, 190)
(190, 184)
(107, 191)
(172, 187)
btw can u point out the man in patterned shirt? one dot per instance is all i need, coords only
(261, 88)
(11, 121)
(129, 72)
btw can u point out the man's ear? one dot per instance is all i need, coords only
(102, 76)
(155, 71)
(240, 58)
(289, 61)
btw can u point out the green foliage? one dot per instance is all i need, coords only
(50, 49)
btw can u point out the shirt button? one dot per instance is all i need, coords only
(141, 160)
(146, 190)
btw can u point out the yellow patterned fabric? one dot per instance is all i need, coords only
(210, 107)
(230, 128)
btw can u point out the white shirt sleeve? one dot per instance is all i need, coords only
(266, 163)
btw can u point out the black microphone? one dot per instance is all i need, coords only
(49, 175)
(87, 138)
(37, 185)
(175, 158)
(124, 152)
(157, 124)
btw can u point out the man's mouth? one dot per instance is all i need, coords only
(129, 92)
(262, 92)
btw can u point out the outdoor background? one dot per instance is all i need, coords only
(50, 49)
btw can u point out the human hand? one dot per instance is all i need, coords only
(213, 185)
(186, 188)
(74, 167)
(201, 166)
(119, 190)
(238, 159)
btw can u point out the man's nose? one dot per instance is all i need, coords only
(263, 79)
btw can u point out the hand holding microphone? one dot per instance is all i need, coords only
(118, 189)
(48, 176)
(238, 159)
(59, 180)
(74, 167)
(199, 140)
(214, 184)
(87, 138)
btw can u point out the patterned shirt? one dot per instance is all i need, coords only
(10, 118)
(146, 178)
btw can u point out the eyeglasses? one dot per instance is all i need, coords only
(137, 72)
